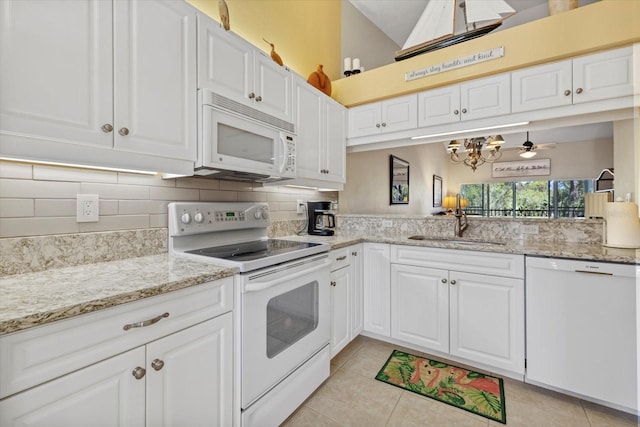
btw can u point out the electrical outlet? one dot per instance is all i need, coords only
(87, 208)
(529, 229)
(387, 223)
(300, 207)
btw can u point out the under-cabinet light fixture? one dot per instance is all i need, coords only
(433, 135)
(75, 165)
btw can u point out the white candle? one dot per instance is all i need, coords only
(347, 64)
(356, 63)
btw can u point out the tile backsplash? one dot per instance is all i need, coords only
(37, 200)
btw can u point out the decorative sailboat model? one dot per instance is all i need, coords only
(435, 28)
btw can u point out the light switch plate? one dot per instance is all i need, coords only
(87, 208)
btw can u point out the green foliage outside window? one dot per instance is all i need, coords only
(545, 199)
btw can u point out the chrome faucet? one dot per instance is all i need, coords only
(461, 218)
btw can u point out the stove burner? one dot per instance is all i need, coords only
(252, 250)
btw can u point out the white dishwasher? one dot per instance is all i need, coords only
(582, 329)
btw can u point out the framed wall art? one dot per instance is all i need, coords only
(399, 180)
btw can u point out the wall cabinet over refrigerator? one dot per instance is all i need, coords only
(321, 126)
(100, 78)
(234, 68)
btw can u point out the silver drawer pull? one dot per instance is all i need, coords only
(341, 258)
(146, 322)
(604, 273)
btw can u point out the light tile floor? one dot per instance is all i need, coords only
(353, 397)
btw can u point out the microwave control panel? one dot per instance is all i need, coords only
(290, 166)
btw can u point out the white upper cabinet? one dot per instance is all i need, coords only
(234, 68)
(155, 78)
(545, 86)
(603, 75)
(475, 99)
(57, 70)
(320, 121)
(115, 75)
(589, 78)
(391, 115)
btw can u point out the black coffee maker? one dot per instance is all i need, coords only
(322, 220)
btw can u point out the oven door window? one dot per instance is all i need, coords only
(290, 317)
(245, 145)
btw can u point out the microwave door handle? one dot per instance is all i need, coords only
(259, 286)
(283, 153)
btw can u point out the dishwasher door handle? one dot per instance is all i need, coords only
(604, 273)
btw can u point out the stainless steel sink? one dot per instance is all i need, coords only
(454, 240)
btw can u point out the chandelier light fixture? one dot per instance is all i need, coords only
(477, 151)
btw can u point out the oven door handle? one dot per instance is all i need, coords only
(259, 286)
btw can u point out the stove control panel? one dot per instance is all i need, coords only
(204, 217)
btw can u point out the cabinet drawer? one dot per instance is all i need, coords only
(495, 264)
(339, 258)
(40, 354)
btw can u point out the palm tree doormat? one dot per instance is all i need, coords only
(474, 392)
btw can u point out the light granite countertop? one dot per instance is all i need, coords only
(594, 252)
(34, 299)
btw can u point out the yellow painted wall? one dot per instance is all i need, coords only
(601, 25)
(305, 32)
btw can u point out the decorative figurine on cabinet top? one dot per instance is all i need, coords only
(320, 81)
(223, 10)
(274, 55)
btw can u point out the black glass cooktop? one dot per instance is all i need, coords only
(252, 250)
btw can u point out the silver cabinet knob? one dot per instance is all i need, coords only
(106, 128)
(567, 92)
(384, 125)
(333, 283)
(456, 112)
(579, 90)
(258, 98)
(377, 125)
(453, 282)
(354, 253)
(443, 280)
(138, 373)
(123, 131)
(252, 95)
(157, 364)
(464, 111)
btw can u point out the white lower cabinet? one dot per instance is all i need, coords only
(178, 372)
(346, 296)
(478, 317)
(377, 289)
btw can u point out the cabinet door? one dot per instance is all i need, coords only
(439, 106)
(105, 393)
(225, 62)
(420, 306)
(486, 97)
(190, 374)
(487, 319)
(334, 152)
(309, 130)
(357, 257)
(365, 120)
(155, 78)
(545, 86)
(272, 87)
(400, 113)
(603, 75)
(377, 289)
(56, 66)
(340, 305)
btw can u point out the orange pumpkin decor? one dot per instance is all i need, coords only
(320, 81)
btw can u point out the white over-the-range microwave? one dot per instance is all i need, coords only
(241, 143)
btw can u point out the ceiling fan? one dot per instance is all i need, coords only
(528, 149)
